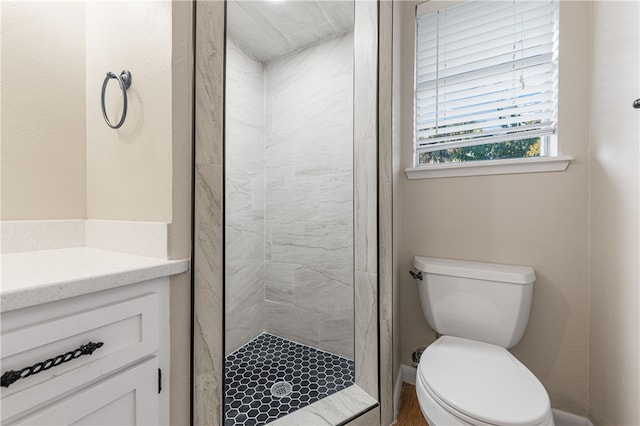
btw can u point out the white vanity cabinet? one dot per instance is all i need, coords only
(123, 382)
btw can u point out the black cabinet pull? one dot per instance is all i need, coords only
(12, 376)
(636, 104)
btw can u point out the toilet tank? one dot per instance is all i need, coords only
(486, 302)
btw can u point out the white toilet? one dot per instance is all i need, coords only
(467, 376)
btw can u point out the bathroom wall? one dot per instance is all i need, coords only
(180, 242)
(43, 153)
(129, 169)
(59, 159)
(309, 196)
(614, 358)
(244, 226)
(535, 219)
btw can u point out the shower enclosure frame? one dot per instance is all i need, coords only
(373, 258)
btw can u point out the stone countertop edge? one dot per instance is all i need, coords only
(82, 284)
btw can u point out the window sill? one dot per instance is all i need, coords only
(491, 167)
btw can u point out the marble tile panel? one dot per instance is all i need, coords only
(246, 160)
(366, 330)
(245, 87)
(335, 198)
(385, 213)
(202, 338)
(336, 335)
(313, 244)
(370, 418)
(329, 211)
(279, 281)
(266, 42)
(208, 351)
(209, 72)
(244, 244)
(291, 199)
(313, 256)
(314, 106)
(342, 275)
(365, 70)
(279, 161)
(315, 63)
(281, 272)
(344, 301)
(315, 290)
(244, 199)
(207, 407)
(339, 14)
(243, 325)
(365, 206)
(208, 222)
(331, 410)
(386, 370)
(245, 289)
(271, 32)
(315, 293)
(292, 323)
(279, 292)
(326, 152)
(268, 233)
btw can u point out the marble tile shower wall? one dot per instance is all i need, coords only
(244, 198)
(289, 192)
(308, 275)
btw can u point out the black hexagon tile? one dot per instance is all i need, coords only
(298, 374)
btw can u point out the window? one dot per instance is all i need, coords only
(485, 81)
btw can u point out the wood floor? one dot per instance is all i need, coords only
(409, 413)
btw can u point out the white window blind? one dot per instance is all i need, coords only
(486, 73)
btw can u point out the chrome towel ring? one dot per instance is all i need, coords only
(124, 81)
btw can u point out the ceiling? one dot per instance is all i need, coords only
(268, 29)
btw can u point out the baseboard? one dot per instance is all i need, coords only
(405, 374)
(409, 374)
(562, 418)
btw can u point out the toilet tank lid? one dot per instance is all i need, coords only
(513, 274)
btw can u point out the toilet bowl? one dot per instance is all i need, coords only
(464, 382)
(467, 376)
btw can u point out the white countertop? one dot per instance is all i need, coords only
(37, 277)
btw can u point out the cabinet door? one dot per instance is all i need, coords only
(127, 398)
(128, 329)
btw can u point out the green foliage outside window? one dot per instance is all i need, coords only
(493, 151)
(518, 148)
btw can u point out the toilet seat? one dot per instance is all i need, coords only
(482, 384)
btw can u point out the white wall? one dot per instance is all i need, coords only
(129, 170)
(244, 186)
(43, 153)
(529, 219)
(614, 362)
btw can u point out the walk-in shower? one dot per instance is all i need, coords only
(289, 268)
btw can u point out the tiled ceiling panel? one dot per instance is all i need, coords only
(268, 29)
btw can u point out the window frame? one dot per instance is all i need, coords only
(552, 162)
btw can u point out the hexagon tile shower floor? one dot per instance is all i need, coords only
(270, 377)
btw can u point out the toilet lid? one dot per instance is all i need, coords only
(483, 382)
